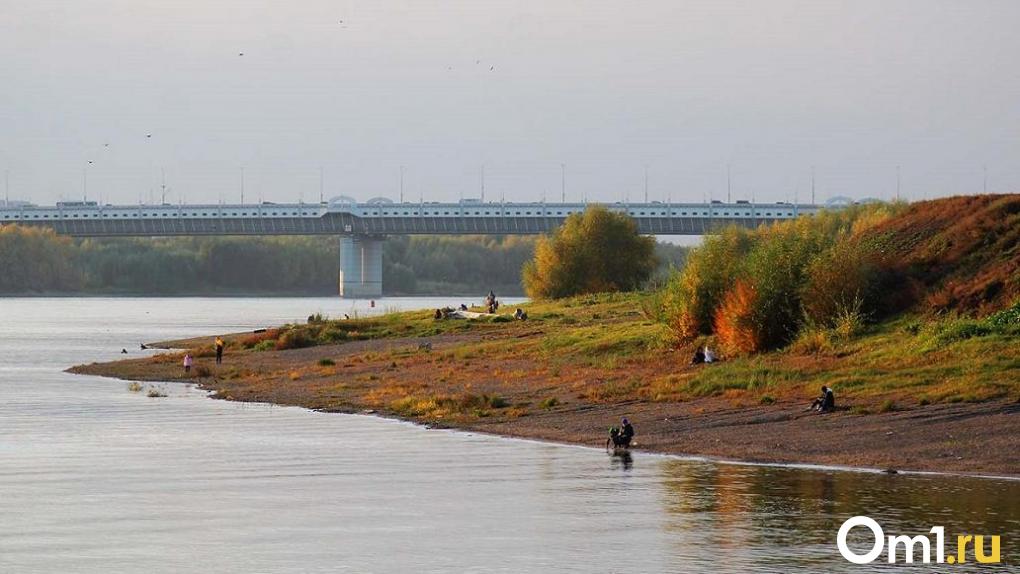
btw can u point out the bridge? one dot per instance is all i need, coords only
(362, 226)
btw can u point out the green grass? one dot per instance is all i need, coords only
(905, 360)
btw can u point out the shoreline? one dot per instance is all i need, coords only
(681, 456)
(965, 439)
(392, 418)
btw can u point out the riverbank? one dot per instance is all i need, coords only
(577, 366)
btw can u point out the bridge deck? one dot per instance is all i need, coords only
(372, 219)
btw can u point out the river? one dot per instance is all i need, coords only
(95, 478)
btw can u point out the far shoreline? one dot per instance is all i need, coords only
(243, 295)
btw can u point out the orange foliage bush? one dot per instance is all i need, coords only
(735, 326)
(256, 338)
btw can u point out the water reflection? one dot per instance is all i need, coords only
(789, 517)
(622, 459)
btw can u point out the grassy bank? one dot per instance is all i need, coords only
(577, 364)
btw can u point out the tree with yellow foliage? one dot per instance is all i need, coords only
(594, 252)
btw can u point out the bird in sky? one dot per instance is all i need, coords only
(240, 53)
(491, 68)
(148, 135)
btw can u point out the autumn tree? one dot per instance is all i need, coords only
(593, 252)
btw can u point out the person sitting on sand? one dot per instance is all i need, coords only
(709, 355)
(188, 362)
(463, 307)
(219, 351)
(520, 315)
(825, 403)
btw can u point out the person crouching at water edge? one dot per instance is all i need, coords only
(219, 351)
(187, 362)
(621, 437)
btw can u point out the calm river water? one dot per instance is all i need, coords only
(94, 478)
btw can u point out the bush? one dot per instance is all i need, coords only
(294, 339)
(549, 403)
(754, 289)
(255, 339)
(267, 345)
(813, 341)
(848, 320)
(328, 336)
(594, 252)
(1006, 317)
(850, 275)
(735, 323)
(690, 297)
(497, 402)
(327, 362)
(888, 406)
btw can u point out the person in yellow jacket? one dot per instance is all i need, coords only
(219, 350)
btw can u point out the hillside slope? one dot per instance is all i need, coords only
(962, 253)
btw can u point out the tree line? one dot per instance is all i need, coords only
(36, 260)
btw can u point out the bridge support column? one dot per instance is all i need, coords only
(361, 267)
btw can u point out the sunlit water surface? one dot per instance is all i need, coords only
(94, 478)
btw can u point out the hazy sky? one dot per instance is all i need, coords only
(771, 88)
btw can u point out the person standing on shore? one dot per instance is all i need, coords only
(187, 362)
(219, 351)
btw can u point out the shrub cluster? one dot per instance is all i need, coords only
(953, 329)
(759, 289)
(592, 252)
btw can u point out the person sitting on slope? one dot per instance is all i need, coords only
(825, 403)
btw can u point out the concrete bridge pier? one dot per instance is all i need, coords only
(361, 266)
